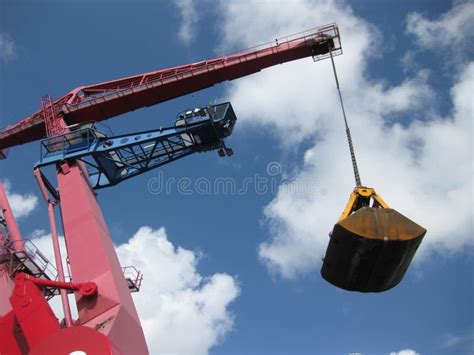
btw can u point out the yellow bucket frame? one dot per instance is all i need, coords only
(361, 197)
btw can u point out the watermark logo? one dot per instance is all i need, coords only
(271, 182)
(274, 168)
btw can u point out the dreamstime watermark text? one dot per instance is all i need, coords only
(271, 182)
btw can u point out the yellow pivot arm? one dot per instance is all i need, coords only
(361, 197)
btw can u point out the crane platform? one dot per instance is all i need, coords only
(24, 256)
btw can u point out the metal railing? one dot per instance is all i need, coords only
(69, 142)
(330, 31)
(133, 277)
(23, 254)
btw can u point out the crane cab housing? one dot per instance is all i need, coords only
(215, 122)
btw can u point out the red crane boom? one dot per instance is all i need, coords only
(109, 99)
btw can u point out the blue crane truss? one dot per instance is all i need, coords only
(113, 159)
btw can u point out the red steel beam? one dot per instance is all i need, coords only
(105, 100)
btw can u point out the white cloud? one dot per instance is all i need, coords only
(21, 205)
(405, 352)
(422, 167)
(189, 19)
(454, 30)
(450, 340)
(174, 299)
(7, 47)
(457, 340)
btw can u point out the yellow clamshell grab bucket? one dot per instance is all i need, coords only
(371, 246)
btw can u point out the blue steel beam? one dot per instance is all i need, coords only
(111, 160)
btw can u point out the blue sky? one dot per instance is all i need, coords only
(253, 258)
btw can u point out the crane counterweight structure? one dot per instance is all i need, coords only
(86, 159)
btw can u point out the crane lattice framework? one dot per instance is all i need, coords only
(85, 159)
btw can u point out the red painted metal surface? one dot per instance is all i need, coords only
(32, 311)
(13, 340)
(6, 288)
(105, 100)
(92, 258)
(87, 289)
(53, 122)
(13, 230)
(6, 284)
(75, 340)
(57, 249)
(31, 326)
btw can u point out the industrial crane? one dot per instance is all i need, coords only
(86, 159)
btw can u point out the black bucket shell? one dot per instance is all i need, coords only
(371, 249)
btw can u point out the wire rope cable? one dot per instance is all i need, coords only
(348, 131)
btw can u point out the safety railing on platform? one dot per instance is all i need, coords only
(24, 256)
(27, 256)
(149, 80)
(133, 277)
(69, 142)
